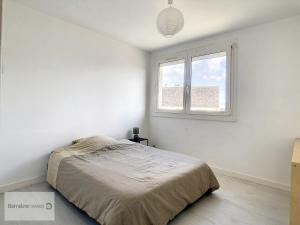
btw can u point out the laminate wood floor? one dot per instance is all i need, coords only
(237, 203)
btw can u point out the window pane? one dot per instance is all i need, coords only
(208, 83)
(171, 85)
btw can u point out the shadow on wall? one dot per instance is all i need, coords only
(25, 169)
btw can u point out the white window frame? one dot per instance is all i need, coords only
(187, 55)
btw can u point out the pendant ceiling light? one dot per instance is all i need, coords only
(170, 21)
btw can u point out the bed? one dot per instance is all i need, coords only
(124, 183)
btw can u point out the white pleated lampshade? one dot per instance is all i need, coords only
(170, 21)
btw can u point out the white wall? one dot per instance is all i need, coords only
(260, 143)
(60, 82)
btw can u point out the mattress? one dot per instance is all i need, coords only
(129, 184)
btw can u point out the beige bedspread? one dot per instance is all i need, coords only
(132, 184)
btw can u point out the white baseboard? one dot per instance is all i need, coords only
(250, 178)
(22, 183)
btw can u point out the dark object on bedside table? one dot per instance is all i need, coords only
(139, 140)
(136, 132)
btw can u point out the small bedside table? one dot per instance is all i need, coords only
(139, 140)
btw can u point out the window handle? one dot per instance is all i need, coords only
(187, 89)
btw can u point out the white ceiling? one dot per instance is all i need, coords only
(134, 21)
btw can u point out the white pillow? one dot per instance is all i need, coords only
(126, 141)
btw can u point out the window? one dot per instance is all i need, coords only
(196, 84)
(208, 83)
(171, 85)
